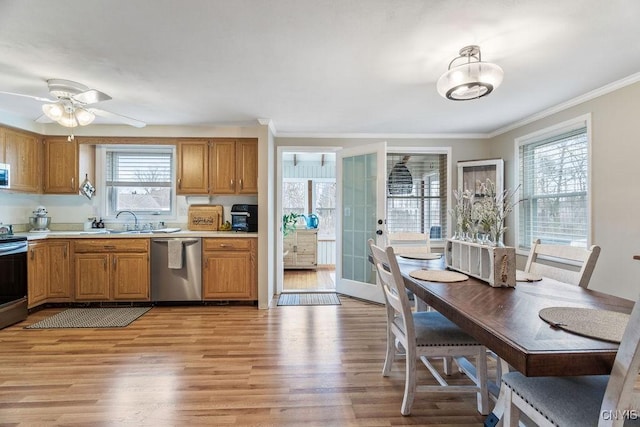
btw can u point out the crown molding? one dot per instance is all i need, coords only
(383, 135)
(611, 87)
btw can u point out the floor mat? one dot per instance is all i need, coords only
(112, 317)
(309, 299)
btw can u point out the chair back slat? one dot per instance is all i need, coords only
(566, 264)
(392, 283)
(409, 242)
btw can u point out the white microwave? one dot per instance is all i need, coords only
(5, 173)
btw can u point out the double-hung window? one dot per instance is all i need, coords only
(138, 179)
(317, 195)
(554, 184)
(417, 193)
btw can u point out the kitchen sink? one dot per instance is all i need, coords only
(129, 231)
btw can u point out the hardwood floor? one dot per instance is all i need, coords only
(322, 279)
(216, 365)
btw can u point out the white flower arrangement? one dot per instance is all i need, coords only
(485, 215)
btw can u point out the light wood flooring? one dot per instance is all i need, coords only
(216, 365)
(323, 279)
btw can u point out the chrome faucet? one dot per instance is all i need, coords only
(135, 218)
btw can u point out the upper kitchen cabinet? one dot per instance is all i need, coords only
(60, 166)
(193, 167)
(218, 166)
(22, 152)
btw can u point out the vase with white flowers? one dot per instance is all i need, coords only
(483, 216)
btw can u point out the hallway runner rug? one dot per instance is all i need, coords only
(112, 317)
(309, 299)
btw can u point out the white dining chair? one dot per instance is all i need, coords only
(409, 243)
(423, 335)
(568, 264)
(593, 400)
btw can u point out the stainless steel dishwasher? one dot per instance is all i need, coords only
(169, 283)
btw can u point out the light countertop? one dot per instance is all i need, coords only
(102, 234)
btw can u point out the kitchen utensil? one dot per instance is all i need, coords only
(39, 223)
(40, 211)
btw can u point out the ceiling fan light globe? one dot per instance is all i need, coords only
(53, 111)
(68, 121)
(84, 117)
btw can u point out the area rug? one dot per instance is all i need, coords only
(309, 299)
(112, 317)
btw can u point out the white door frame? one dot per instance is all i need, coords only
(279, 240)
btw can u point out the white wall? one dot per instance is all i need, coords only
(615, 183)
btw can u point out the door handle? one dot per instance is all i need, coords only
(379, 232)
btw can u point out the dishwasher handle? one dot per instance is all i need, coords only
(182, 240)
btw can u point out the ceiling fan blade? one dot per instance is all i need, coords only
(117, 117)
(91, 96)
(37, 98)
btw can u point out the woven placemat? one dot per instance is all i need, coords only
(421, 256)
(438, 276)
(604, 325)
(523, 276)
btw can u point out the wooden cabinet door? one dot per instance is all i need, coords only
(59, 285)
(223, 167)
(193, 167)
(92, 277)
(289, 250)
(60, 166)
(247, 166)
(227, 275)
(37, 273)
(130, 276)
(23, 154)
(307, 248)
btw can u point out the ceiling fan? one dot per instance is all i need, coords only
(73, 105)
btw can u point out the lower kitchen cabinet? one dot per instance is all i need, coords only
(229, 269)
(59, 285)
(37, 273)
(111, 269)
(49, 272)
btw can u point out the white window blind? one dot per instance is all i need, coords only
(416, 193)
(139, 180)
(554, 183)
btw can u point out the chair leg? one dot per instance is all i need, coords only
(409, 383)
(511, 415)
(391, 353)
(481, 374)
(447, 365)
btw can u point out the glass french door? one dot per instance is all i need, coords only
(361, 176)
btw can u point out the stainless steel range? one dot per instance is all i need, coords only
(13, 279)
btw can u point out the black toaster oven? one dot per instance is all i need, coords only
(244, 218)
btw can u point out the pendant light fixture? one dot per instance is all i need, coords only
(468, 77)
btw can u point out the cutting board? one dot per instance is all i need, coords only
(205, 217)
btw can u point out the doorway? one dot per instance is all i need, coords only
(308, 193)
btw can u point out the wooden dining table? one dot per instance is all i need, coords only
(506, 320)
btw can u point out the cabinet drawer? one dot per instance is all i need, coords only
(227, 244)
(111, 245)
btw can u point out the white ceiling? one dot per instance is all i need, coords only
(314, 66)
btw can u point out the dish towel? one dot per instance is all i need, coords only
(174, 254)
